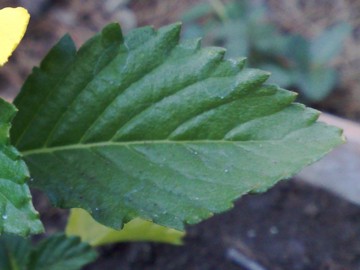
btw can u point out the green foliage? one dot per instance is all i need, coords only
(242, 31)
(293, 60)
(57, 252)
(309, 61)
(17, 214)
(142, 126)
(82, 224)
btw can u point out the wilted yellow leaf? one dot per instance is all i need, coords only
(13, 23)
(83, 225)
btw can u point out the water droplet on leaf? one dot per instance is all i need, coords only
(251, 233)
(274, 230)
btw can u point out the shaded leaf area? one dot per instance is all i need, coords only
(82, 224)
(142, 126)
(56, 252)
(17, 214)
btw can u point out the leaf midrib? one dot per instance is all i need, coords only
(45, 150)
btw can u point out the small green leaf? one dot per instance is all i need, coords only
(17, 214)
(14, 252)
(196, 12)
(82, 224)
(298, 51)
(57, 252)
(328, 44)
(234, 35)
(280, 75)
(318, 82)
(145, 127)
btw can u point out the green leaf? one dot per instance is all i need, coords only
(267, 40)
(17, 214)
(57, 252)
(299, 52)
(143, 126)
(233, 34)
(82, 224)
(243, 10)
(280, 75)
(14, 252)
(196, 12)
(318, 83)
(328, 44)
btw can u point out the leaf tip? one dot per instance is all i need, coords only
(111, 34)
(174, 28)
(7, 111)
(176, 25)
(191, 44)
(239, 62)
(64, 49)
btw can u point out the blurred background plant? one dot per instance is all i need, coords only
(278, 19)
(295, 61)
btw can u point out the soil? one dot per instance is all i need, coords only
(293, 226)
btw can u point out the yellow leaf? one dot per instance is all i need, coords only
(13, 23)
(81, 224)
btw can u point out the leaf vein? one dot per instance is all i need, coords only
(73, 102)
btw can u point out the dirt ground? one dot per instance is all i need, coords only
(293, 226)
